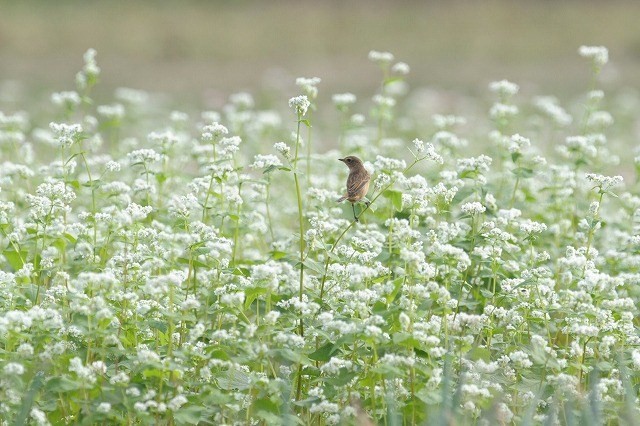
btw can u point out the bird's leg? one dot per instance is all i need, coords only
(353, 206)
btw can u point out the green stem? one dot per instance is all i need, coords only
(301, 230)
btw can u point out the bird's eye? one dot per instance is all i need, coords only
(348, 160)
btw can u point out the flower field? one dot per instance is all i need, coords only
(159, 267)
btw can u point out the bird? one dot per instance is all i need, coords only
(357, 182)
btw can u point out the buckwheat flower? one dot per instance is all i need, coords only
(604, 183)
(289, 339)
(635, 357)
(242, 100)
(504, 88)
(89, 72)
(520, 359)
(90, 61)
(25, 349)
(531, 227)
(389, 164)
(138, 212)
(84, 373)
(300, 104)
(429, 153)
(13, 369)
(324, 407)
(308, 86)
(176, 402)
(343, 100)
(599, 55)
(283, 149)
(333, 366)
(577, 146)
(66, 134)
(501, 111)
(448, 140)
(232, 298)
(112, 166)
(263, 161)
(39, 417)
(549, 106)
(382, 58)
(473, 208)
(398, 360)
(144, 156)
(271, 317)
(357, 120)
(69, 99)
(146, 356)
(479, 164)
(384, 101)
(405, 321)
(140, 407)
(119, 378)
(472, 389)
(600, 119)
(103, 407)
(518, 144)
(190, 303)
(131, 96)
(111, 112)
(214, 131)
(400, 68)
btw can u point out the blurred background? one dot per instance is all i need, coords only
(201, 51)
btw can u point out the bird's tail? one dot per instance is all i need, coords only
(341, 199)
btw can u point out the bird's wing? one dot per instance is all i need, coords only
(356, 183)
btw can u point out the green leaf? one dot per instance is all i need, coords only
(251, 294)
(392, 80)
(313, 265)
(306, 122)
(15, 258)
(61, 384)
(93, 184)
(27, 402)
(486, 293)
(273, 167)
(522, 172)
(269, 418)
(395, 197)
(161, 178)
(277, 255)
(324, 353)
(234, 380)
(191, 415)
(267, 406)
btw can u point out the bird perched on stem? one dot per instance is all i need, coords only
(357, 182)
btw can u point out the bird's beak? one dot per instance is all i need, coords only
(341, 159)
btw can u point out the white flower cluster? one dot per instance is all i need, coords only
(66, 134)
(599, 55)
(604, 183)
(504, 88)
(300, 104)
(343, 100)
(309, 86)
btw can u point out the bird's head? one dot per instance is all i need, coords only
(351, 161)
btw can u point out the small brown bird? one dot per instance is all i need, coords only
(357, 182)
